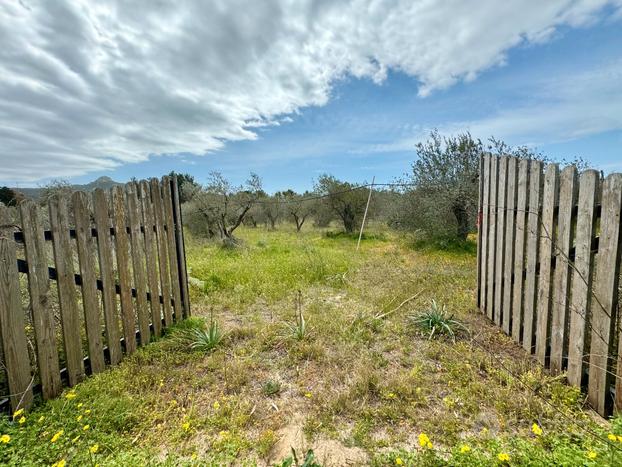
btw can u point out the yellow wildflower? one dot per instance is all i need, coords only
(503, 457)
(391, 395)
(60, 463)
(186, 426)
(308, 395)
(223, 433)
(22, 420)
(399, 461)
(5, 439)
(70, 395)
(87, 411)
(41, 418)
(94, 448)
(536, 430)
(86, 427)
(464, 449)
(612, 437)
(79, 418)
(57, 435)
(216, 405)
(424, 441)
(619, 438)
(18, 413)
(194, 456)
(80, 405)
(591, 455)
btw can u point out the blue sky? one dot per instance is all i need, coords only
(559, 91)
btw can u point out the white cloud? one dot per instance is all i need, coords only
(90, 85)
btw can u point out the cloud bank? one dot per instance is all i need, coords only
(91, 85)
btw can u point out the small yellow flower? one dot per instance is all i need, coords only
(464, 449)
(17, 413)
(57, 435)
(612, 437)
(399, 461)
(60, 463)
(80, 405)
(5, 439)
(391, 395)
(41, 418)
(536, 430)
(591, 455)
(308, 395)
(86, 427)
(194, 456)
(22, 420)
(87, 411)
(79, 418)
(186, 426)
(619, 438)
(503, 457)
(94, 448)
(424, 441)
(216, 405)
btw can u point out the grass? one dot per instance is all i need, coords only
(356, 389)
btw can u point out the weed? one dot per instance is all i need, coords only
(196, 337)
(308, 461)
(271, 388)
(437, 321)
(299, 329)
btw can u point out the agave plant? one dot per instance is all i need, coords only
(436, 320)
(198, 337)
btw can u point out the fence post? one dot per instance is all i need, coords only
(181, 248)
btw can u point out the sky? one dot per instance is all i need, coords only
(294, 89)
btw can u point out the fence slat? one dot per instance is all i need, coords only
(165, 278)
(63, 259)
(12, 329)
(151, 256)
(604, 302)
(519, 250)
(533, 239)
(104, 248)
(589, 186)
(85, 246)
(38, 289)
(492, 244)
(568, 189)
(547, 245)
(480, 220)
(167, 200)
(181, 248)
(510, 228)
(500, 237)
(123, 268)
(138, 262)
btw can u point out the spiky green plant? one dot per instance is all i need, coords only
(299, 329)
(199, 337)
(437, 321)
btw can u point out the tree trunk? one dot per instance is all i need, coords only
(348, 219)
(462, 219)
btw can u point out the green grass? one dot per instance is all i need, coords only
(361, 386)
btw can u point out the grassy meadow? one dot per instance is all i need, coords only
(320, 351)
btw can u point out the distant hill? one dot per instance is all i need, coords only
(102, 182)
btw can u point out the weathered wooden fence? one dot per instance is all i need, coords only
(127, 243)
(549, 253)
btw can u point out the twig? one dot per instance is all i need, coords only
(384, 315)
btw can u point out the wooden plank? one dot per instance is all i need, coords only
(582, 274)
(119, 219)
(492, 243)
(510, 226)
(167, 201)
(63, 259)
(104, 248)
(568, 190)
(545, 255)
(12, 328)
(533, 240)
(38, 289)
(480, 215)
(500, 237)
(151, 256)
(138, 262)
(604, 301)
(519, 250)
(90, 302)
(165, 284)
(181, 248)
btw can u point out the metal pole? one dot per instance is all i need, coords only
(358, 244)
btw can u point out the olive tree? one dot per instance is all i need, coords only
(344, 199)
(298, 207)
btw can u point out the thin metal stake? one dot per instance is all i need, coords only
(358, 244)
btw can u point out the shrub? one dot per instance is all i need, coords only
(437, 321)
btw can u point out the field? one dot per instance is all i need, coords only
(355, 380)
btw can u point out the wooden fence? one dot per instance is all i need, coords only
(69, 263)
(549, 268)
